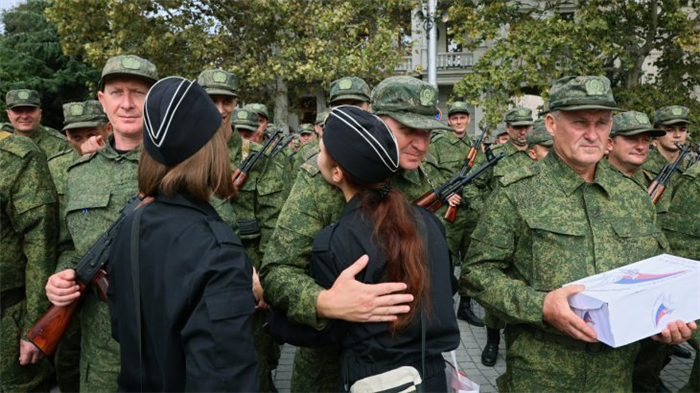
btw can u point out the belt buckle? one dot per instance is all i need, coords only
(596, 348)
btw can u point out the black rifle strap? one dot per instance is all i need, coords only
(136, 282)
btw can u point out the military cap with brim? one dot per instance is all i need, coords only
(519, 117)
(179, 118)
(129, 65)
(673, 114)
(83, 114)
(574, 93)
(633, 123)
(218, 82)
(409, 101)
(306, 128)
(321, 118)
(539, 135)
(245, 119)
(457, 107)
(22, 97)
(260, 109)
(350, 88)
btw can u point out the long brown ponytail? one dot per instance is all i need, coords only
(395, 231)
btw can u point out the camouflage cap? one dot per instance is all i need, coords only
(350, 88)
(409, 101)
(260, 109)
(539, 135)
(519, 116)
(22, 97)
(321, 118)
(633, 123)
(306, 128)
(83, 114)
(245, 119)
(671, 115)
(218, 82)
(499, 130)
(129, 65)
(457, 107)
(573, 93)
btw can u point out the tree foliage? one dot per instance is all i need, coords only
(299, 43)
(30, 53)
(536, 42)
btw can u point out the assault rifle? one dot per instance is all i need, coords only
(240, 175)
(658, 186)
(435, 198)
(47, 332)
(281, 144)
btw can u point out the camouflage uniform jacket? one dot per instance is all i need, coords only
(50, 141)
(260, 200)
(304, 153)
(681, 224)
(58, 165)
(544, 227)
(312, 205)
(478, 192)
(28, 224)
(449, 150)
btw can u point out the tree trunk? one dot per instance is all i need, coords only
(281, 100)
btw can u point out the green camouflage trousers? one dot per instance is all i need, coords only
(16, 378)
(316, 370)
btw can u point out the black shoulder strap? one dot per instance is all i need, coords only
(136, 283)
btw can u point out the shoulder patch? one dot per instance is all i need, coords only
(20, 146)
(437, 136)
(223, 233)
(519, 174)
(311, 165)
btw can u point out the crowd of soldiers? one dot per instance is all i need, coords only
(523, 229)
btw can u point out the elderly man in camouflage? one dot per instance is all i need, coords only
(681, 225)
(28, 235)
(257, 204)
(408, 106)
(450, 148)
(24, 112)
(567, 217)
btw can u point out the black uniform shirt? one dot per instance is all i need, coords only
(196, 302)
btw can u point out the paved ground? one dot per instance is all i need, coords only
(675, 375)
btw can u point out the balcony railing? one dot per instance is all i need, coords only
(445, 61)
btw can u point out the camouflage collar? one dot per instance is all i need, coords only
(569, 181)
(111, 154)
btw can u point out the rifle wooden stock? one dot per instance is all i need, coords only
(47, 332)
(239, 179)
(658, 192)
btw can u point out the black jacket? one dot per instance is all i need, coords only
(368, 348)
(196, 302)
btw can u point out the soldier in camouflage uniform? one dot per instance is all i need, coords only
(518, 125)
(499, 135)
(350, 90)
(568, 217)
(263, 117)
(28, 235)
(539, 142)
(81, 119)
(628, 144)
(257, 204)
(408, 106)
(450, 149)
(674, 120)
(307, 134)
(24, 112)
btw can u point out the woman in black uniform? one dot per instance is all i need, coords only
(186, 324)
(404, 243)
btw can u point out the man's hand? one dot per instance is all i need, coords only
(676, 333)
(258, 293)
(557, 312)
(92, 144)
(351, 300)
(28, 353)
(454, 200)
(61, 289)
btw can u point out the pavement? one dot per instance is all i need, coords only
(675, 375)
